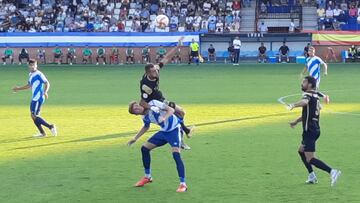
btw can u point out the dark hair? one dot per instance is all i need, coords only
(312, 81)
(31, 61)
(148, 67)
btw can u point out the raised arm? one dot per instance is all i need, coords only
(300, 103)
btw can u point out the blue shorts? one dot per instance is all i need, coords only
(35, 107)
(161, 138)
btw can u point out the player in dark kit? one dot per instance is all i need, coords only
(311, 130)
(149, 88)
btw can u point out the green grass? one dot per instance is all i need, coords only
(243, 150)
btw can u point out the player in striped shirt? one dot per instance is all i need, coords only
(313, 67)
(40, 87)
(170, 132)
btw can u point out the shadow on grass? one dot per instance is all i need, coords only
(130, 133)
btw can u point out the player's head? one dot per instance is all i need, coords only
(262, 44)
(136, 109)
(311, 51)
(152, 71)
(32, 65)
(193, 40)
(309, 83)
(284, 43)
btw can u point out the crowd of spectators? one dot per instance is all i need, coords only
(331, 14)
(119, 15)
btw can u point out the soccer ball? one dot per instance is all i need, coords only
(162, 21)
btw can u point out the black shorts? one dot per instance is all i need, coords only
(309, 140)
(194, 53)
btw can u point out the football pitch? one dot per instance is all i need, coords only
(243, 149)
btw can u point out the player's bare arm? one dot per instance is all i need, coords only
(17, 88)
(46, 89)
(325, 68)
(295, 122)
(142, 131)
(169, 111)
(300, 103)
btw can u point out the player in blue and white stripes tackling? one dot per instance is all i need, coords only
(40, 87)
(170, 132)
(313, 67)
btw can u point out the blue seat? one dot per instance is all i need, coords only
(270, 53)
(204, 54)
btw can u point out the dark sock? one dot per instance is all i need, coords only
(146, 159)
(179, 166)
(307, 165)
(319, 164)
(39, 127)
(43, 122)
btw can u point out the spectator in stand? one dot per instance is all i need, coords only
(262, 58)
(236, 6)
(336, 12)
(237, 45)
(211, 53)
(212, 23)
(284, 53)
(353, 12)
(263, 8)
(342, 18)
(292, 26)
(24, 54)
(329, 18)
(263, 28)
(344, 5)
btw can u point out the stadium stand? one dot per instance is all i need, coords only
(118, 15)
(279, 16)
(338, 15)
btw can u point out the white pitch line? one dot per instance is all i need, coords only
(281, 101)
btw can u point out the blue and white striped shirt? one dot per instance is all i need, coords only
(313, 66)
(37, 80)
(153, 117)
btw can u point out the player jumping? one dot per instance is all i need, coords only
(170, 132)
(40, 87)
(149, 88)
(311, 131)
